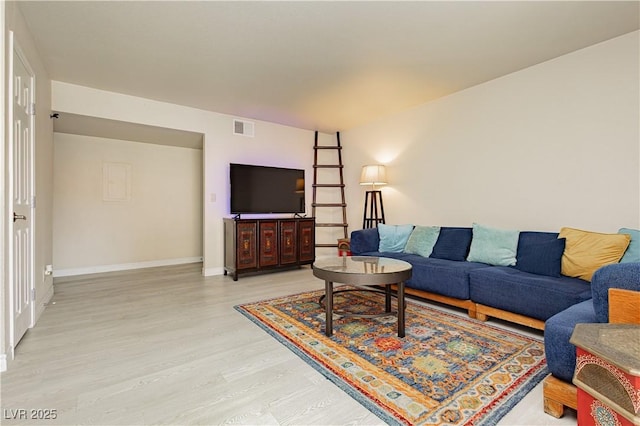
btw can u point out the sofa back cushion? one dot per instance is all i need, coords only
(540, 253)
(393, 238)
(587, 251)
(493, 246)
(452, 244)
(364, 241)
(633, 251)
(422, 240)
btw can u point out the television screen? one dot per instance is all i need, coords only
(261, 189)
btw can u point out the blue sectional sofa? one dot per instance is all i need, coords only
(447, 277)
(560, 353)
(533, 292)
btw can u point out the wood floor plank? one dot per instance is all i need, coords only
(165, 346)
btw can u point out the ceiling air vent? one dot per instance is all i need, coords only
(243, 128)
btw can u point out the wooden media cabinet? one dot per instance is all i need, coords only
(266, 245)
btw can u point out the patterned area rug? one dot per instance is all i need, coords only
(448, 369)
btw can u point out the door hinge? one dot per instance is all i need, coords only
(32, 109)
(33, 202)
(33, 294)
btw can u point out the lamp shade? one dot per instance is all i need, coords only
(373, 175)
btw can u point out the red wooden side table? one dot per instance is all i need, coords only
(607, 374)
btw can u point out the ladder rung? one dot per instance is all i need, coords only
(331, 225)
(328, 205)
(327, 147)
(327, 245)
(328, 185)
(328, 166)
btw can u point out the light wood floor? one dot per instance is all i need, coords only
(165, 346)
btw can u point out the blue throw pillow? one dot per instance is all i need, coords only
(493, 246)
(364, 240)
(543, 258)
(452, 244)
(633, 251)
(422, 240)
(393, 238)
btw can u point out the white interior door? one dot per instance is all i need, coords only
(21, 197)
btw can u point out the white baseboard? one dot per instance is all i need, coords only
(123, 266)
(3, 362)
(43, 302)
(207, 272)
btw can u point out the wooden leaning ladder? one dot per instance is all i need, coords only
(315, 204)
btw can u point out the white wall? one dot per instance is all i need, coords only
(160, 223)
(273, 145)
(14, 21)
(556, 144)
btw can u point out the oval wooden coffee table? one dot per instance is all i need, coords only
(363, 271)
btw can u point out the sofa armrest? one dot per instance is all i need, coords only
(619, 275)
(624, 306)
(364, 240)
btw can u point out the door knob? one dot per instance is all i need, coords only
(18, 216)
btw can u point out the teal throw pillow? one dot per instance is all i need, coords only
(393, 238)
(633, 251)
(422, 240)
(493, 246)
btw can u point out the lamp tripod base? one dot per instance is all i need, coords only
(373, 209)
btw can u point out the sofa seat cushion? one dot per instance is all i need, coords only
(445, 277)
(560, 354)
(535, 296)
(391, 255)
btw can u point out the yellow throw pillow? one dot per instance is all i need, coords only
(586, 251)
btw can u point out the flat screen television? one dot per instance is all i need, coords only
(262, 189)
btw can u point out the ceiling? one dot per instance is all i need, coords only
(319, 65)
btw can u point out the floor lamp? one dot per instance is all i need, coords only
(373, 208)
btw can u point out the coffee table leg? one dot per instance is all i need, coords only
(328, 307)
(387, 298)
(401, 307)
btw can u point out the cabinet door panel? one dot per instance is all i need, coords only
(288, 242)
(268, 243)
(307, 241)
(246, 248)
